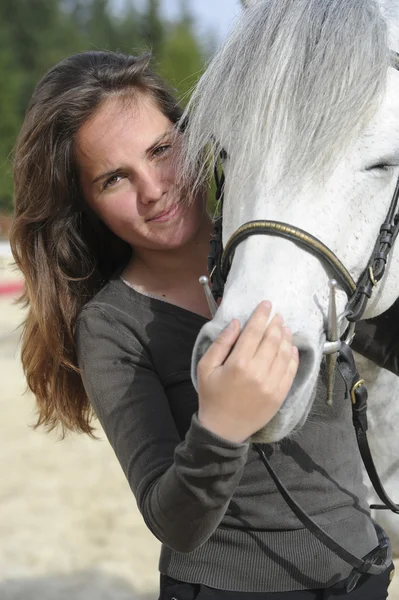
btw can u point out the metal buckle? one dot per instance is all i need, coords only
(333, 342)
(357, 385)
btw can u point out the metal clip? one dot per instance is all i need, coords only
(332, 346)
(372, 278)
(204, 281)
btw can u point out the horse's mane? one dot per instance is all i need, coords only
(295, 81)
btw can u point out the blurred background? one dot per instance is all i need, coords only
(69, 526)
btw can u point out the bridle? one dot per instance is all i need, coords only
(336, 349)
(358, 293)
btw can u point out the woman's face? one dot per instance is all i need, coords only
(127, 166)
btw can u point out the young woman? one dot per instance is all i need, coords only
(111, 250)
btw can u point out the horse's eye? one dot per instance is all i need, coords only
(381, 167)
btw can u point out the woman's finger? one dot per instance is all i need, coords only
(219, 350)
(253, 332)
(290, 373)
(270, 344)
(279, 366)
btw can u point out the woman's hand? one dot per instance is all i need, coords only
(241, 388)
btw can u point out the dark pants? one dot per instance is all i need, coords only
(370, 587)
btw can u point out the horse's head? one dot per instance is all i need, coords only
(303, 99)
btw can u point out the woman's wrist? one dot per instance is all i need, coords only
(223, 426)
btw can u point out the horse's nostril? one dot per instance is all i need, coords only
(204, 340)
(306, 363)
(306, 358)
(203, 344)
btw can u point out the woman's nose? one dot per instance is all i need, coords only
(150, 186)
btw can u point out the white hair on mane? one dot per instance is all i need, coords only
(300, 75)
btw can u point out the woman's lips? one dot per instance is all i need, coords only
(166, 216)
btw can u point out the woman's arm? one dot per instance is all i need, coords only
(182, 488)
(378, 339)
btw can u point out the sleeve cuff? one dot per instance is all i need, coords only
(202, 436)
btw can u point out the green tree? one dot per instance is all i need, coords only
(102, 32)
(129, 37)
(10, 84)
(182, 59)
(152, 28)
(34, 34)
(39, 35)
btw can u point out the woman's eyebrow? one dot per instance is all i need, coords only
(159, 139)
(105, 175)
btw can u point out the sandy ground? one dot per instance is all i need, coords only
(69, 526)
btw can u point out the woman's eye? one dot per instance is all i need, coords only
(113, 180)
(161, 150)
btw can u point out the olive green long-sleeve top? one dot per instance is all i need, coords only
(210, 502)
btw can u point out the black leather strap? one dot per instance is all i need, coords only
(216, 246)
(374, 563)
(347, 367)
(304, 239)
(377, 560)
(368, 462)
(375, 268)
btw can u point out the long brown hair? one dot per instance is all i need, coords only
(64, 251)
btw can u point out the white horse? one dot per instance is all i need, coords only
(303, 99)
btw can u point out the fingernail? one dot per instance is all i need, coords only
(295, 351)
(267, 304)
(231, 326)
(279, 319)
(287, 330)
